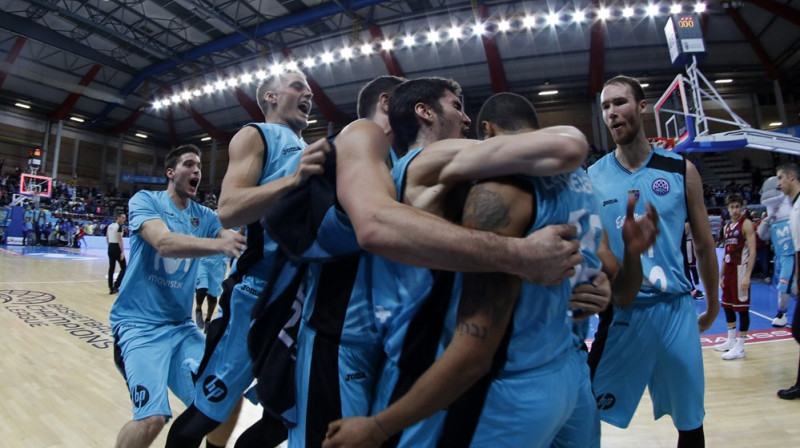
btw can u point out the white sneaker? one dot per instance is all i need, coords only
(725, 346)
(780, 320)
(734, 353)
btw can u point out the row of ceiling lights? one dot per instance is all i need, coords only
(72, 118)
(433, 37)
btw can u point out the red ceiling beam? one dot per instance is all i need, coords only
(597, 55)
(769, 66)
(65, 107)
(779, 9)
(12, 57)
(496, 72)
(388, 58)
(206, 125)
(329, 110)
(128, 122)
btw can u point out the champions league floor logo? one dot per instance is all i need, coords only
(25, 297)
(35, 309)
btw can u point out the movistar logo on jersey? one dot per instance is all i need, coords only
(171, 265)
(660, 186)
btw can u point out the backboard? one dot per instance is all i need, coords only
(30, 184)
(675, 112)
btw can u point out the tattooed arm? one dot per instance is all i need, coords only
(485, 308)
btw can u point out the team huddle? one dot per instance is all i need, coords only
(400, 285)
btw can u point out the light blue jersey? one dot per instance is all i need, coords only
(781, 237)
(158, 289)
(540, 391)
(229, 366)
(655, 342)
(661, 183)
(211, 274)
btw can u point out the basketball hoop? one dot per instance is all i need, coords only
(662, 142)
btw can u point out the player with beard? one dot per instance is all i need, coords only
(156, 343)
(654, 342)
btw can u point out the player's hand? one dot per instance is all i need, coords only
(312, 162)
(704, 321)
(549, 255)
(231, 243)
(639, 234)
(592, 297)
(355, 432)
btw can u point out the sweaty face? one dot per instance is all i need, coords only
(621, 113)
(292, 99)
(452, 122)
(186, 175)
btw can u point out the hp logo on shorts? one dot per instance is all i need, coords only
(140, 396)
(606, 401)
(214, 389)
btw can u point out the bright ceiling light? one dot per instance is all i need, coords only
(208, 88)
(604, 14)
(552, 19)
(166, 102)
(652, 10)
(548, 92)
(504, 25)
(290, 65)
(346, 53)
(309, 62)
(454, 32)
(22, 105)
(275, 69)
(644, 84)
(700, 7)
(529, 21)
(232, 81)
(627, 12)
(205, 139)
(676, 8)
(409, 41)
(186, 94)
(366, 49)
(157, 104)
(78, 119)
(433, 36)
(140, 135)
(246, 78)
(478, 29)
(197, 92)
(775, 124)
(723, 81)
(312, 121)
(219, 85)
(327, 57)
(387, 45)
(175, 99)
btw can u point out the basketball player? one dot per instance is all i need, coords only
(116, 253)
(470, 353)
(156, 342)
(655, 342)
(775, 228)
(345, 336)
(208, 287)
(737, 266)
(789, 184)
(266, 160)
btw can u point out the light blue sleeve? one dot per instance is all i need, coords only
(142, 207)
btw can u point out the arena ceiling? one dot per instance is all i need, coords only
(109, 62)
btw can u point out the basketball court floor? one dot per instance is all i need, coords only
(60, 388)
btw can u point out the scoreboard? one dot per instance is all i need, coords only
(684, 38)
